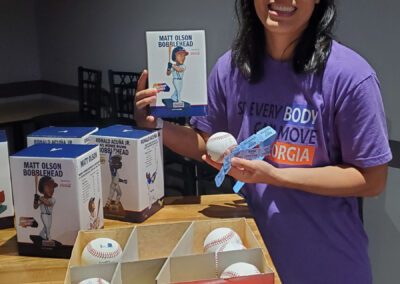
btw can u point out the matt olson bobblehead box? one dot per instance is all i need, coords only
(60, 135)
(6, 199)
(177, 68)
(57, 192)
(131, 170)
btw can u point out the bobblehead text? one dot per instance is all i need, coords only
(42, 169)
(113, 146)
(175, 40)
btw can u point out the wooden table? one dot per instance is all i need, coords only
(23, 269)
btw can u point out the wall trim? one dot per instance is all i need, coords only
(38, 87)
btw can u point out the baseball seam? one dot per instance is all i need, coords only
(219, 241)
(229, 274)
(219, 137)
(103, 255)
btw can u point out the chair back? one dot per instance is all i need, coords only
(122, 89)
(90, 92)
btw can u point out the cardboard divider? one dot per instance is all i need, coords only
(187, 268)
(253, 256)
(84, 237)
(121, 235)
(192, 241)
(104, 271)
(138, 272)
(154, 241)
(203, 267)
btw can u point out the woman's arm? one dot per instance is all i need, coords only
(339, 180)
(185, 140)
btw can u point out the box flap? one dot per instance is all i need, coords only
(62, 132)
(54, 151)
(124, 131)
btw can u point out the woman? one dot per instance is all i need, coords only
(285, 71)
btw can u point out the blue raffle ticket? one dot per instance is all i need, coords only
(246, 150)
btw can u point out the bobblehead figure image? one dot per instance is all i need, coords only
(177, 70)
(114, 206)
(45, 203)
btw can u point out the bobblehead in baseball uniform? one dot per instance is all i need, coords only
(93, 217)
(177, 70)
(114, 206)
(45, 203)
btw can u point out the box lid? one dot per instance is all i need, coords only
(3, 137)
(54, 150)
(125, 131)
(67, 132)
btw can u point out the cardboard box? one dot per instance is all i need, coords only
(177, 68)
(154, 254)
(60, 135)
(203, 268)
(120, 235)
(6, 199)
(104, 271)
(132, 171)
(57, 192)
(154, 241)
(192, 241)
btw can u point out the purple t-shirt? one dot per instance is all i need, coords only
(329, 119)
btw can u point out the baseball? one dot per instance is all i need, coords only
(218, 144)
(101, 250)
(220, 237)
(94, 281)
(239, 269)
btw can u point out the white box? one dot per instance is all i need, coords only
(6, 199)
(177, 68)
(57, 192)
(131, 171)
(60, 135)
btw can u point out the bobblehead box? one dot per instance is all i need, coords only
(60, 135)
(57, 192)
(170, 253)
(177, 69)
(6, 199)
(131, 171)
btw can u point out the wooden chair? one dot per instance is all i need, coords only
(122, 91)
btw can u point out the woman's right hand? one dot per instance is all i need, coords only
(143, 98)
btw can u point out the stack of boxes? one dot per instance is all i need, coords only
(69, 178)
(60, 135)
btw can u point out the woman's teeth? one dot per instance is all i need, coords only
(283, 9)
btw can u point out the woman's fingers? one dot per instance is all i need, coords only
(144, 102)
(141, 85)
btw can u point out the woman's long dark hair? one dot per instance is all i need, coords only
(311, 51)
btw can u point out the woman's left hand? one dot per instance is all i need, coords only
(248, 171)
